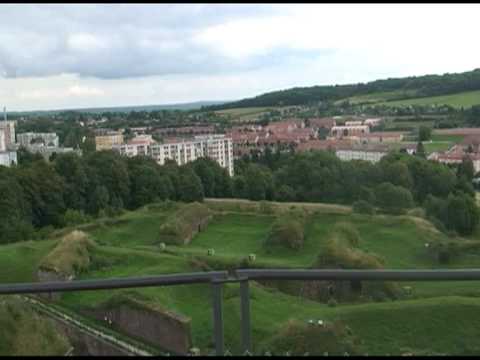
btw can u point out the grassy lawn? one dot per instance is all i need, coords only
(440, 317)
(19, 262)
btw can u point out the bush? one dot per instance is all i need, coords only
(298, 338)
(363, 207)
(340, 251)
(349, 232)
(287, 231)
(71, 256)
(182, 225)
(332, 302)
(75, 217)
(393, 199)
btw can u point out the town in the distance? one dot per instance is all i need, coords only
(350, 137)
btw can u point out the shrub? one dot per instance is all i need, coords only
(75, 217)
(349, 232)
(180, 226)
(71, 255)
(299, 338)
(363, 207)
(393, 199)
(287, 231)
(340, 251)
(332, 302)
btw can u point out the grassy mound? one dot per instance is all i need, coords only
(287, 231)
(299, 338)
(25, 333)
(182, 225)
(446, 251)
(341, 251)
(71, 256)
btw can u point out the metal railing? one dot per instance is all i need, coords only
(217, 278)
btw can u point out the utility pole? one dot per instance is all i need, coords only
(4, 113)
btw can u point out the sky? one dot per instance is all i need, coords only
(85, 55)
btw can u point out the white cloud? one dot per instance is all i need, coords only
(56, 56)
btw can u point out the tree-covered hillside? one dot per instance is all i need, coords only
(408, 87)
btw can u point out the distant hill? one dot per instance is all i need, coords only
(181, 106)
(398, 89)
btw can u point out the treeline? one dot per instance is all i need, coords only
(414, 86)
(395, 184)
(39, 195)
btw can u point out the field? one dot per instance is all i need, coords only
(378, 97)
(249, 113)
(464, 99)
(423, 322)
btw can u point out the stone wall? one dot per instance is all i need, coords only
(50, 276)
(166, 330)
(85, 344)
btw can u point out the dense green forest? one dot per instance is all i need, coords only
(408, 87)
(40, 195)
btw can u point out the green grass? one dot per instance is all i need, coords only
(464, 99)
(140, 228)
(19, 262)
(244, 111)
(427, 321)
(378, 97)
(25, 333)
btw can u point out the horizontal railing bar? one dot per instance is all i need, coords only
(105, 284)
(396, 275)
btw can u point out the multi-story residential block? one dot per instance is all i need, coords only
(340, 132)
(372, 122)
(32, 139)
(216, 147)
(362, 152)
(182, 151)
(382, 137)
(139, 145)
(7, 158)
(107, 139)
(3, 146)
(8, 129)
(8, 154)
(354, 123)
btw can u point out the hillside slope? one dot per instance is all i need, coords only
(395, 88)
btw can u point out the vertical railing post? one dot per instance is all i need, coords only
(217, 317)
(245, 314)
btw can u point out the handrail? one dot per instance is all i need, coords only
(328, 274)
(119, 283)
(242, 276)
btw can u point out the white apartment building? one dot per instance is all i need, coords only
(371, 154)
(7, 158)
(216, 147)
(3, 146)
(139, 145)
(32, 139)
(8, 129)
(8, 155)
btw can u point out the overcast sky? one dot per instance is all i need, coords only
(73, 56)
